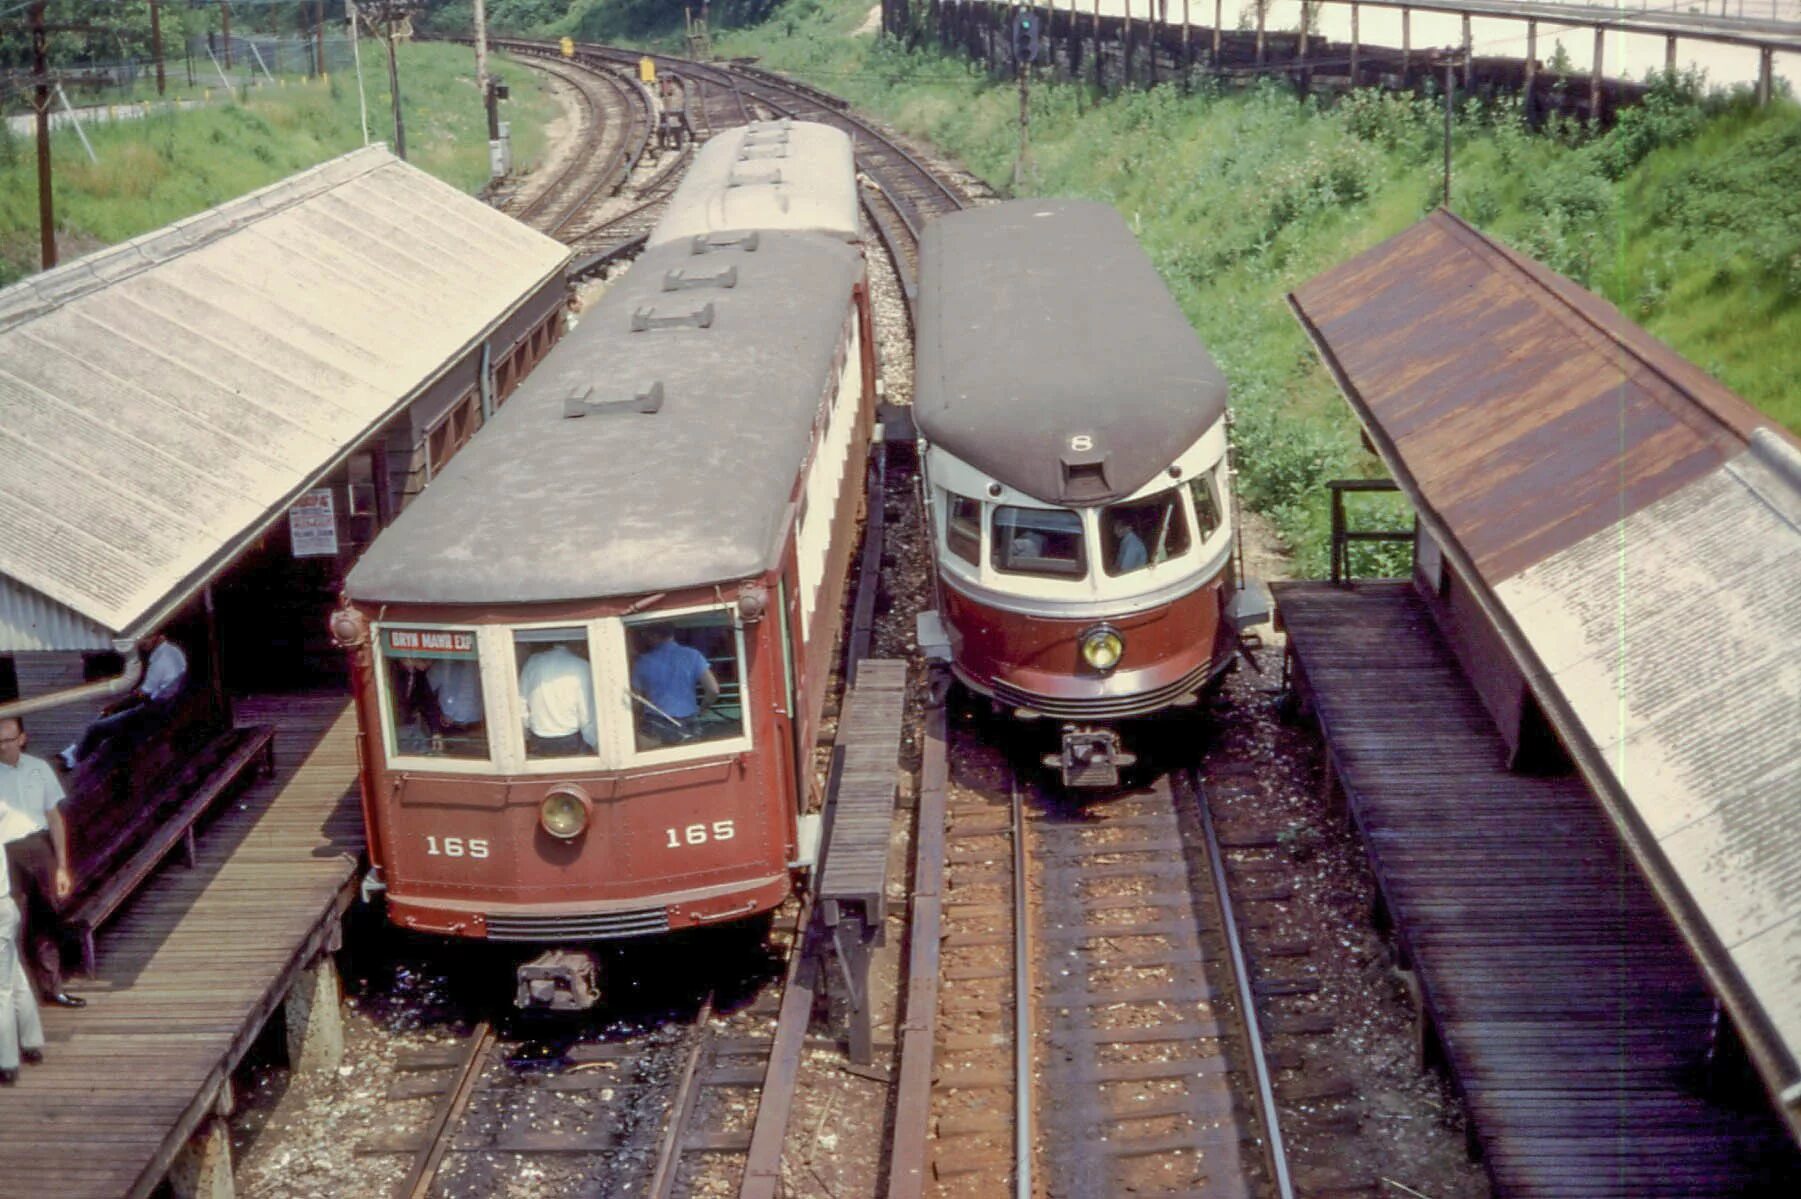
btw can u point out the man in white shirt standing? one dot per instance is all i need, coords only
(37, 842)
(558, 688)
(21, 1032)
(148, 703)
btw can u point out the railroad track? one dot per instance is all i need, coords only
(906, 191)
(650, 1110)
(1096, 1031)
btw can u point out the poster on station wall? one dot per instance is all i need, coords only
(313, 525)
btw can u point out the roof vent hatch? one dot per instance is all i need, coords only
(678, 279)
(646, 319)
(580, 402)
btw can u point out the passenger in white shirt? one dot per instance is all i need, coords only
(557, 686)
(33, 836)
(147, 704)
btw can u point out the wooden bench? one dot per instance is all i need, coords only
(251, 748)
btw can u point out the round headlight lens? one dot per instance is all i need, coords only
(563, 815)
(1102, 647)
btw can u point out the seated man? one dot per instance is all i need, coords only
(146, 705)
(557, 686)
(32, 835)
(672, 685)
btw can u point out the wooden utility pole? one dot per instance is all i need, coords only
(225, 10)
(40, 103)
(319, 37)
(481, 49)
(156, 41)
(394, 84)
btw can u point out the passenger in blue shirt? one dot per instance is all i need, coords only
(1129, 552)
(673, 686)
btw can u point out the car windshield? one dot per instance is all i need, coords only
(1142, 533)
(686, 680)
(1039, 541)
(435, 706)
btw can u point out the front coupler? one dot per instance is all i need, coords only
(1091, 757)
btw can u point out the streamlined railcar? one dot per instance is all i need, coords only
(590, 658)
(1073, 439)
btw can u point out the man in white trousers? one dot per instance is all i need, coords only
(21, 1033)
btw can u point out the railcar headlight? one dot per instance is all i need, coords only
(564, 813)
(1102, 647)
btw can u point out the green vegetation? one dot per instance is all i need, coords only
(176, 163)
(1687, 215)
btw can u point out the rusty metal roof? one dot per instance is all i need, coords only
(162, 400)
(1634, 530)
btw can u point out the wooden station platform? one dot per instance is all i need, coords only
(191, 969)
(1573, 1020)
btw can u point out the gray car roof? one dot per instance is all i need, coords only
(766, 175)
(542, 506)
(1041, 321)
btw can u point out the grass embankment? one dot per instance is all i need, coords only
(1687, 216)
(176, 163)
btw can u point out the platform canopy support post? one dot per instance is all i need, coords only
(202, 1167)
(315, 1039)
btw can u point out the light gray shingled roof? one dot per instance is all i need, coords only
(1041, 321)
(161, 399)
(539, 506)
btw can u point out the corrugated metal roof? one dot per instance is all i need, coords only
(795, 175)
(33, 622)
(1634, 529)
(1535, 412)
(161, 399)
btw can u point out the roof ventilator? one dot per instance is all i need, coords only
(706, 244)
(678, 279)
(647, 319)
(580, 402)
(751, 153)
(1085, 476)
(766, 179)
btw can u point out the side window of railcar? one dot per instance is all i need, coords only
(1205, 489)
(1039, 541)
(687, 680)
(556, 692)
(435, 706)
(1143, 533)
(963, 527)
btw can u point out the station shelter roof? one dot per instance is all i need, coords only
(1633, 530)
(164, 400)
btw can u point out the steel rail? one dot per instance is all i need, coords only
(681, 1109)
(1022, 1002)
(418, 1181)
(1274, 1150)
